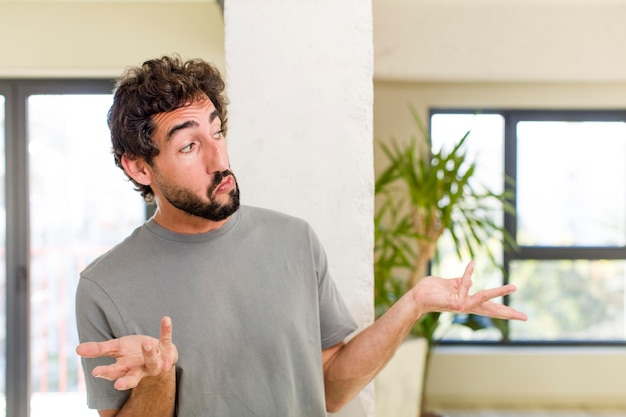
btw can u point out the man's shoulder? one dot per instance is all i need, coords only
(260, 215)
(117, 255)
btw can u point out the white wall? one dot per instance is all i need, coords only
(300, 135)
(495, 40)
(99, 39)
(555, 377)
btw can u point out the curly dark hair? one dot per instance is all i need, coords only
(158, 86)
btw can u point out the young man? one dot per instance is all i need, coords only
(260, 326)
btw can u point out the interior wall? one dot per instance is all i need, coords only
(524, 377)
(50, 39)
(300, 135)
(494, 40)
(524, 54)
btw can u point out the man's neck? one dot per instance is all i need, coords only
(186, 223)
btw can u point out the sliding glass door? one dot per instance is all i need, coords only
(80, 205)
(3, 321)
(69, 204)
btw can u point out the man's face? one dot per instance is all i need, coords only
(211, 208)
(191, 171)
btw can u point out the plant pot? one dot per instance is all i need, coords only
(398, 387)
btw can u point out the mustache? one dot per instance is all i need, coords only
(217, 180)
(219, 176)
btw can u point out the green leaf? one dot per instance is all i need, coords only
(421, 194)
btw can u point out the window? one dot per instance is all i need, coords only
(3, 292)
(69, 204)
(569, 187)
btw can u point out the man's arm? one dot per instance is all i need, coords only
(153, 396)
(349, 367)
(143, 364)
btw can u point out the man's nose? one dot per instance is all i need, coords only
(216, 156)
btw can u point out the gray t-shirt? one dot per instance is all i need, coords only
(252, 305)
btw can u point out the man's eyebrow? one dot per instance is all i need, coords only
(185, 125)
(189, 124)
(214, 114)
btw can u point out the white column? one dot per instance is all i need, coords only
(299, 76)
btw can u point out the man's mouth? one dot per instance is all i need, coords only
(223, 182)
(227, 184)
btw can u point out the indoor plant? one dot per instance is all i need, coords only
(421, 196)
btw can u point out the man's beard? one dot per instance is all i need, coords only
(185, 200)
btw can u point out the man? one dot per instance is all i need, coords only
(260, 326)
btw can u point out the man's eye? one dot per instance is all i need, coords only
(218, 134)
(187, 148)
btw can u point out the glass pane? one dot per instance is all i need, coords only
(571, 183)
(3, 268)
(80, 205)
(569, 300)
(485, 147)
(485, 143)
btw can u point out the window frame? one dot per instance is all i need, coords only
(540, 253)
(16, 92)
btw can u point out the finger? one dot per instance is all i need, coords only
(498, 311)
(130, 380)
(98, 349)
(166, 331)
(491, 293)
(169, 353)
(150, 358)
(466, 281)
(110, 372)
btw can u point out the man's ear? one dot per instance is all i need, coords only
(138, 169)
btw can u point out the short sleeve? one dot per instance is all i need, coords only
(98, 320)
(336, 322)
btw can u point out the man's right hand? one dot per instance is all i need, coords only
(135, 356)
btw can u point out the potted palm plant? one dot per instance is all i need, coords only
(420, 197)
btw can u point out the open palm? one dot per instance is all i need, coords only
(136, 356)
(439, 294)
